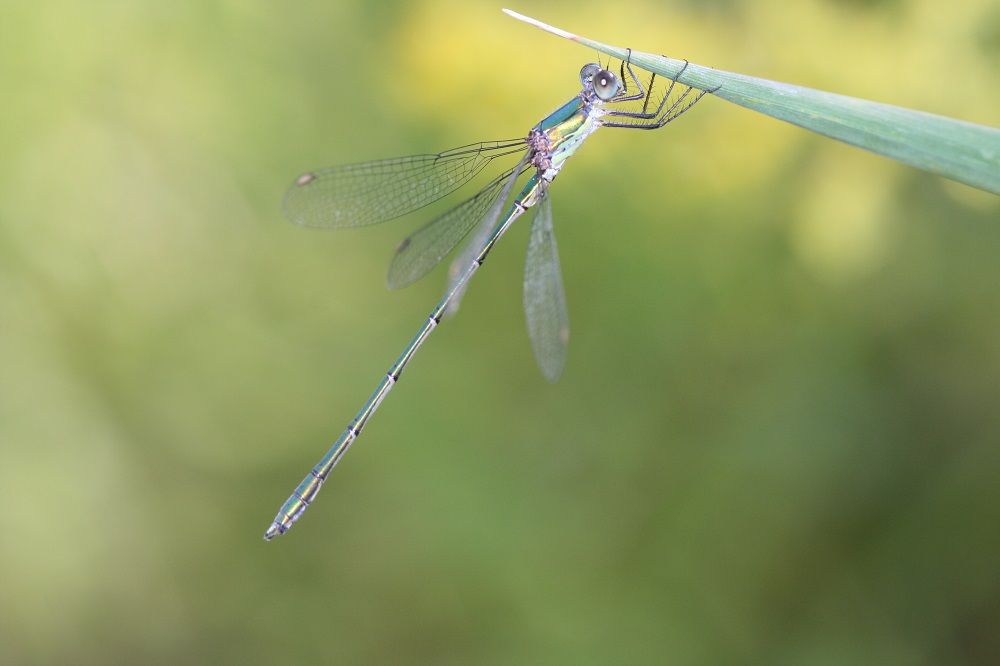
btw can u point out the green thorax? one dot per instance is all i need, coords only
(566, 128)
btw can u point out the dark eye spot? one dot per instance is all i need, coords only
(305, 179)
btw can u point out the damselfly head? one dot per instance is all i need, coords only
(604, 83)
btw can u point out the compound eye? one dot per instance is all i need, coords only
(588, 72)
(605, 84)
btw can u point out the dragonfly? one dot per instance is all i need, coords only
(368, 193)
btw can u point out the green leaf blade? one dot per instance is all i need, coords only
(962, 151)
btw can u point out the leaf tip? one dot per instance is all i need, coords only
(539, 24)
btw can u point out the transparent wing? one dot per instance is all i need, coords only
(470, 251)
(461, 262)
(425, 248)
(355, 195)
(544, 298)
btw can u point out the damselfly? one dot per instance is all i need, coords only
(373, 192)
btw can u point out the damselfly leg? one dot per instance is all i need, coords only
(655, 119)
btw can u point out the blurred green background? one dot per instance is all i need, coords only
(777, 439)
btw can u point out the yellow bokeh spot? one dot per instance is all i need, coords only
(841, 225)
